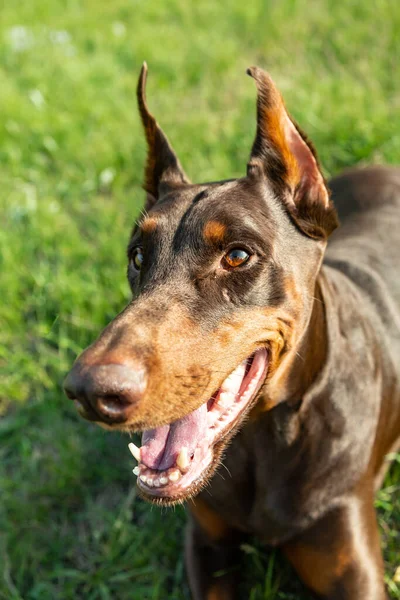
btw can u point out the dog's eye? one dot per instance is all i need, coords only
(137, 259)
(235, 258)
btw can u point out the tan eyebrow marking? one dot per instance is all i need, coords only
(148, 224)
(214, 231)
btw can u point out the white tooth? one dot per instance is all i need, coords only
(136, 471)
(224, 398)
(183, 461)
(239, 371)
(135, 451)
(174, 476)
(156, 482)
(143, 478)
(150, 482)
(163, 480)
(233, 381)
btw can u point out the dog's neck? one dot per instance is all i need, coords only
(304, 361)
(311, 353)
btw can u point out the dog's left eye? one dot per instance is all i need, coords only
(137, 259)
(235, 258)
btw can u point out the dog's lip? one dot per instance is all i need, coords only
(171, 485)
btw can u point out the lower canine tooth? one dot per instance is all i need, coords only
(135, 451)
(183, 461)
(174, 476)
(143, 478)
(163, 480)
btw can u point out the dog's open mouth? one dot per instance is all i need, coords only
(175, 459)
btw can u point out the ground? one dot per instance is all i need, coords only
(71, 159)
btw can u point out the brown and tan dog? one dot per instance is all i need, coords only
(245, 329)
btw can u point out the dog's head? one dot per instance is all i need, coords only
(223, 277)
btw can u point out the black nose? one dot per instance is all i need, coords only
(107, 390)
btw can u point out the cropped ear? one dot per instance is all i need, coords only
(283, 154)
(162, 165)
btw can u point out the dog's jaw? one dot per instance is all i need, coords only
(177, 460)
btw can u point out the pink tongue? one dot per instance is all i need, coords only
(161, 446)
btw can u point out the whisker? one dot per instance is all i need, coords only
(225, 467)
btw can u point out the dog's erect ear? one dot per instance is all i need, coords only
(282, 154)
(162, 165)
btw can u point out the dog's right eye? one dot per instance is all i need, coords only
(137, 259)
(235, 258)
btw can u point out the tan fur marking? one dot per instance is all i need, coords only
(218, 592)
(209, 521)
(214, 232)
(224, 338)
(275, 129)
(292, 292)
(317, 569)
(149, 225)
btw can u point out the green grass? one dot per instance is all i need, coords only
(71, 158)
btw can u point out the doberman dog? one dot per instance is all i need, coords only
(251, 342)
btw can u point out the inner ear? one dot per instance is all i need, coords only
(284, 155)
(309, 178)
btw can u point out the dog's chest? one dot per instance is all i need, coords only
(283, 472)
(253, 490)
